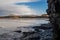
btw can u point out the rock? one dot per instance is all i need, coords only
(44, 26)
(54, 15)
(18, 31)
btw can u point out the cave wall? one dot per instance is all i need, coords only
(54, 15)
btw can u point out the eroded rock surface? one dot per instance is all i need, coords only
(54, 16)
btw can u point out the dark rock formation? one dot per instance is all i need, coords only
(44, 26)
(54, 15)
(18, 31)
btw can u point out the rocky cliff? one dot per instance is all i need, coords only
(54, 15)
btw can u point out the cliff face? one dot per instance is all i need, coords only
(54, 15)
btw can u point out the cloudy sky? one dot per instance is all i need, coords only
(22, 7)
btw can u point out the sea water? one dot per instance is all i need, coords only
(12, 24)
(7, 26)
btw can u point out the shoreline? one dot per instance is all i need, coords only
(39, 32)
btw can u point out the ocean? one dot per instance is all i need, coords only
(12, 24)
(25, 29)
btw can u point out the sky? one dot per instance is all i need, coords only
(23, 7)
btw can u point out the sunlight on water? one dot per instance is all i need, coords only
(14, 23)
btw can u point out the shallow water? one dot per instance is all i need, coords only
(12, 24)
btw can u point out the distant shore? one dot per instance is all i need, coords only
(16, 17)
(25, 16)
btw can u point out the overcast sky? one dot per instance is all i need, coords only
(23, 7)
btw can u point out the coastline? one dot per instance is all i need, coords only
(39, 33)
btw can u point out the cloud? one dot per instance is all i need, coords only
(14, 1)
(8, 7)
(18, 10)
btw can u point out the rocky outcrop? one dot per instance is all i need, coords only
(43, 32)
(54, 15)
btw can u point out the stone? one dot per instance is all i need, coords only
(54, 15)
